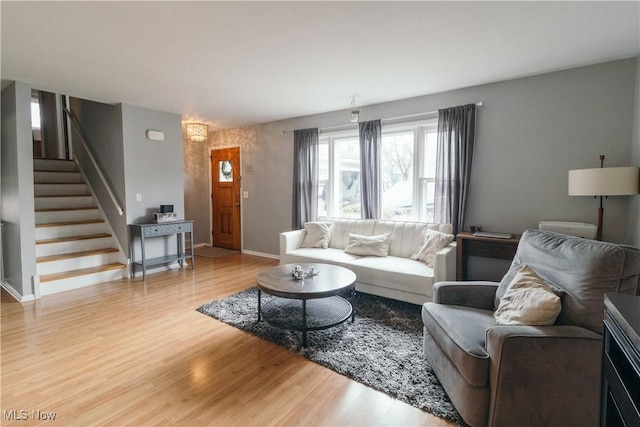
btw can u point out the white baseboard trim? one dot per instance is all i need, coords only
(15, 294)
(261, 254)
(199, 245)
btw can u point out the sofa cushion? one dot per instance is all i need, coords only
(342, 227)
(394, 273)
(432, 242)
(461, 334)
(377, 245)
(406, 236)
(584, 269)
(317, 235)
(329, 255)
(528, 300)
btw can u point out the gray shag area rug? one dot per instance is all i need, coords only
(381, 349)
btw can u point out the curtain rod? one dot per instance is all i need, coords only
(284, 132)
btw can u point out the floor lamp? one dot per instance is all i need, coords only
(602, 182)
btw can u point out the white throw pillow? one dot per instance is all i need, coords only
(317, 235)
(433, 241)
(528, 300)
(368, 245)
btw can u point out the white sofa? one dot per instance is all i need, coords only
(395, 276)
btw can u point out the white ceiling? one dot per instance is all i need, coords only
(241, 63)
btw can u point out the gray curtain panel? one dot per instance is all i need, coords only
(305, 177)
(370, 142)
(456, 137)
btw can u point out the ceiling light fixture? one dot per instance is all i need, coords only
(197, 131)
(355, 113)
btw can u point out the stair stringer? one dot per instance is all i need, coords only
(122, 254)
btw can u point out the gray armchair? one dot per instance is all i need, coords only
(516, 375)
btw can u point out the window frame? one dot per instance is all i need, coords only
(420, 129)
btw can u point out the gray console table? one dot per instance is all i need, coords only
(143, 231)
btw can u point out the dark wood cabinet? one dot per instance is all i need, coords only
(469, 245)
(620, 400)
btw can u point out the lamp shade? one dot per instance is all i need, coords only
(619, 181)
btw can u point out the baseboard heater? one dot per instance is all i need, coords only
(579, 229)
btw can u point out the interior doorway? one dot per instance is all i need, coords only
(50, 128)
(225, 198)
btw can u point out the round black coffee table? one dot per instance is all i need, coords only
(306, 305)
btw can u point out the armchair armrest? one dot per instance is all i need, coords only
(475, 294)
(539, 374)
(290, 240)
(444, 264)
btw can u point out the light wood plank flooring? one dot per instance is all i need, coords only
(128, 353)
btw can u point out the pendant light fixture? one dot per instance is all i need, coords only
(355, 113)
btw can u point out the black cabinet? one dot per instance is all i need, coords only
(620, 404)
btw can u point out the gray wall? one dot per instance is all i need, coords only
(102, 127)
(17, 206)
(133, 164)
(531, 132)
(153, 169)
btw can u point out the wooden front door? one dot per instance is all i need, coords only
(225, 187)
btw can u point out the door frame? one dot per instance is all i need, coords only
(210, 195)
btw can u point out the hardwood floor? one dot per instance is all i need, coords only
(128, 353)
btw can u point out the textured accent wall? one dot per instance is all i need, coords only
(197, 177)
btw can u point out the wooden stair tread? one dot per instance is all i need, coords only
(65, 195)
(72, 238)
(53, 170)
(60, 224)
(81, 272)
(58, 183)
(65, 209)
(72, 255)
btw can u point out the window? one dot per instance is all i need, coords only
(339, 186)
(35, 114)
(408, 155)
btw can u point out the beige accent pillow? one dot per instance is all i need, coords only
(368, 245)
(528, 300)
(317, 235)
(433, 241)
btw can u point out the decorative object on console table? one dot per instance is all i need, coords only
(620, 404)
(166, 214)
(470, 244)
(602, 182)
(142, 231)
(160, 217)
